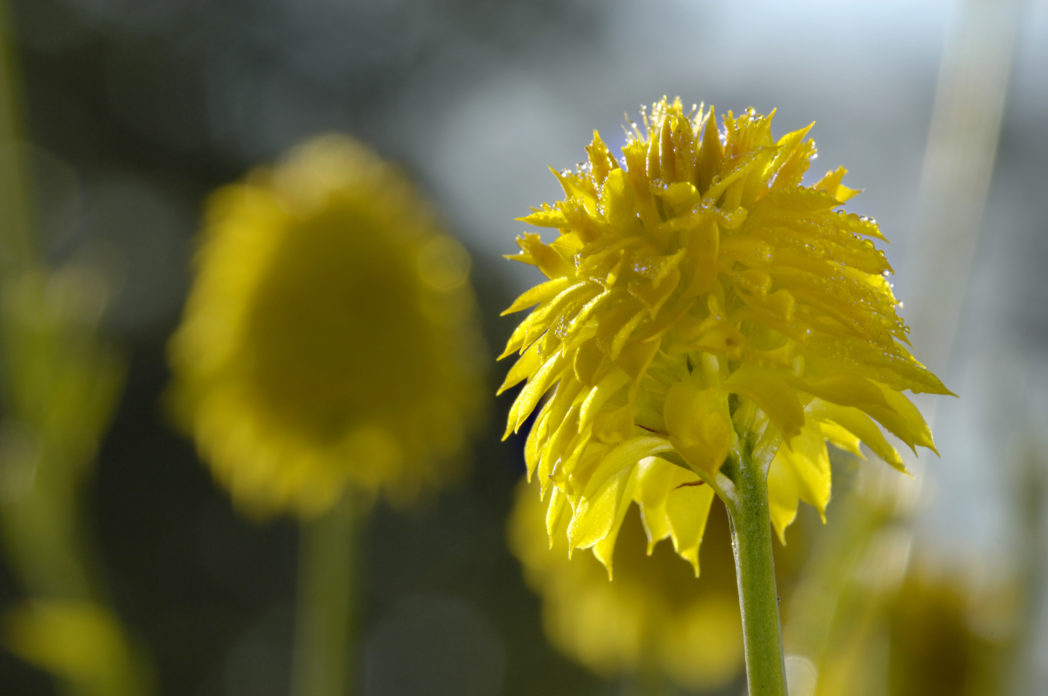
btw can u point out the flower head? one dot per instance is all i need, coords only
(329, 339)
(702, 303)
(654, 618)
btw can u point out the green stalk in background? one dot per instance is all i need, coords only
(59, 383)
(325, 656)
(17, 247)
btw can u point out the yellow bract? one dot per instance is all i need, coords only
(700, 303)
(329, 339)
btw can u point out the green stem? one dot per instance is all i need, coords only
(325, 615)
(17, 244)
(755, 569)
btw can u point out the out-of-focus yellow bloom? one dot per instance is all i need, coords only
(702, 303)
(949, 638)
(79, 641)
(933, 635)
(653, 619)
(330, 337)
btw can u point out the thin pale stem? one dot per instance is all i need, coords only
(755, 570)
(325, 615)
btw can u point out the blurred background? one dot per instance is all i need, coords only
(132, 112)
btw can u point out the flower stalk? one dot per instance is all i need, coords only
(326, 610)
(755, 570)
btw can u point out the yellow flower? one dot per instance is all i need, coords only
(78, 641)
(701, 302)
(936, 633)
(329, 339)
(653, 619)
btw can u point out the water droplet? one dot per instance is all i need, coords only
(765, 251)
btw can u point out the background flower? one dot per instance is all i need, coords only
(935, 632)
(330, 338)
(653, 622)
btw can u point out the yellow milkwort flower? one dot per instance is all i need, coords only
(330, 337)
(702, 303)
(654, 619)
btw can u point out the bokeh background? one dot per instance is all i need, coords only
(134, 111)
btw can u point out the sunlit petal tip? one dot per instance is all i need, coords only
(532, 216)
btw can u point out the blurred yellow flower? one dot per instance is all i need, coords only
(654, 619)
(949, 636)
(939, 633)
(78, 640)
(330, 337)
(702, 303)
